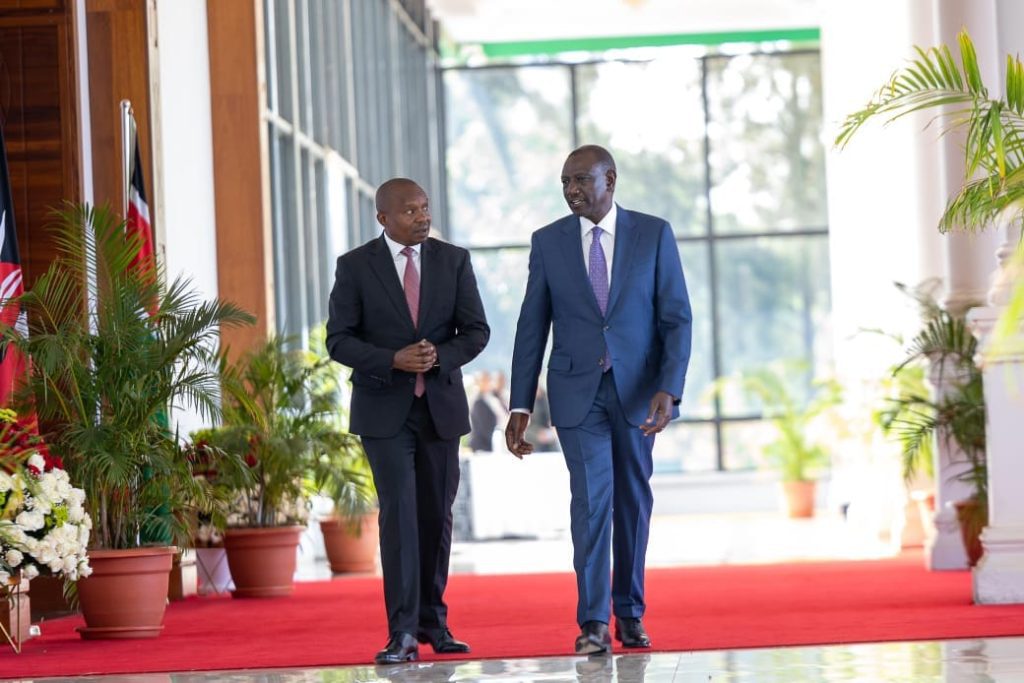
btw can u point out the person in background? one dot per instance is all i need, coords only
(405, 314)
(539, 431)
(607, 284)
(485, 413)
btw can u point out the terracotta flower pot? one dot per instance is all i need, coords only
(798, 497)
(972, 519)
(262, 561)
(127, 593)
(349, 550)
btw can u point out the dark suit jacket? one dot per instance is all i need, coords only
(369, 321)
(646, 328)
(484, 422)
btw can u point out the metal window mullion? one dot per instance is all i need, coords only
(298, 227)
(350, 84)
(395, 99)
(716, 354)
(415, 32)
(307, 78)
(310, 241)
(574, 102)
(271, 66)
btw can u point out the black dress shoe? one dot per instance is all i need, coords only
(630, 632)
(443, 642)
(401, 648)
(593, 639)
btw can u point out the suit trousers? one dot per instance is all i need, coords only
(417, 476)
(610, 464)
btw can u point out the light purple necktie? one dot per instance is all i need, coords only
(599, 281)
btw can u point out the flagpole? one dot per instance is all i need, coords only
(127, 137)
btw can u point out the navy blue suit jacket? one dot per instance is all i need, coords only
(369, 321)
(647, 326)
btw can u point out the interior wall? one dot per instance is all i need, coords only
(118, 69)
(244, 268)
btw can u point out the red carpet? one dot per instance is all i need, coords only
(692, 608)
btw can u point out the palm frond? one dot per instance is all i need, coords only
(994, 128)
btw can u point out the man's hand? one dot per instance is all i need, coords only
(418, 357)
(659, 414)
(514, 433)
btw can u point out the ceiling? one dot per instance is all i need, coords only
(500, 21)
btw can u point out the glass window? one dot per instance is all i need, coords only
(358, 76)
(727, 148)
(284, 30)
(509, 130)
(685, 447)
(766, 152)
(743, 443)
(694, 256)
(501, 278)
(774, 303)
(650, 114)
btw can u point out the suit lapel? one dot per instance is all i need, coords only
(625, 248)
(572, 252)
(383, 265)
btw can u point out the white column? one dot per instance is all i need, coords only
(999, 576)
(884, 202)
(969, 260)
(944, 548)
(1010, 31)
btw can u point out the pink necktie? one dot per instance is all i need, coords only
(411, 283)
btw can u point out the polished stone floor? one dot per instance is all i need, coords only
(675, 540)
(953, 661)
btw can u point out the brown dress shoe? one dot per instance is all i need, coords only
(630, 632)
(401, 648)
(443, 642)
(593, 639)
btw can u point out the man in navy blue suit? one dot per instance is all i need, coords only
(608, 284)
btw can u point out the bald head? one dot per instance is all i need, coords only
(403, 210)
(390, 189)
(597, 154)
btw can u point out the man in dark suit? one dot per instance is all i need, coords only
(405, 315)
(609, 283)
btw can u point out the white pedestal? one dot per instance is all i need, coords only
(999, 576)
(213, 571)
(945, 547)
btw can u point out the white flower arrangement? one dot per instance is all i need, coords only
(44, 528)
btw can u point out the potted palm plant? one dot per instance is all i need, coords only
(350, 533)
(958, 416)
(992, 192)
(794, 452)
(281, 416)
(111, 351)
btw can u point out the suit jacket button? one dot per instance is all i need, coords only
(607, 327)
(412, 380)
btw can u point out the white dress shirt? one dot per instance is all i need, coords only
(400, 259)
(607, 238)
